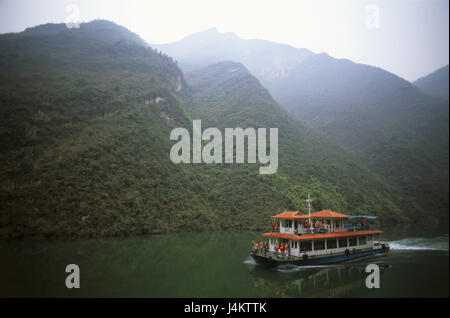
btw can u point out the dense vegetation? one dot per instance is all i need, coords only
(85, 119)
(226, 95)
(400, 133)
(82, 135)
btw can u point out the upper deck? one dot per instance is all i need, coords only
(322, 236)
(325, 224)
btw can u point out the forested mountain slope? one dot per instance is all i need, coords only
(399, 132)
(85, 120)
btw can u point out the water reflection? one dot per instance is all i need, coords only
(311, 281)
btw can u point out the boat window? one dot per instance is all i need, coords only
(332, 243)
(319, 245)
(362, 240)
(352, 241)
(306, 246)
(343, 242)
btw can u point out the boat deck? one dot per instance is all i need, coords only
(261, 255)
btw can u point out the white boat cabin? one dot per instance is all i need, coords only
(320, 233)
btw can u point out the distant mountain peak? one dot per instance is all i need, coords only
(436, 83)
(46, 28)
(263, 59)
(102, 30)
(62, 26)
(210, 30)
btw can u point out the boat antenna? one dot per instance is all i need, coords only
(309, 208)
(309, 205)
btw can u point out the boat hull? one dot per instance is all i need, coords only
(318, 260)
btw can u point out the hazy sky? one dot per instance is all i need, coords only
(406, 37)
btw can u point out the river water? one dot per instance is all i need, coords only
(215, 265)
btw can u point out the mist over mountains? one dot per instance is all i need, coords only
(86, 115)
(399, 131)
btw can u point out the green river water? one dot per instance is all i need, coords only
(214, 265)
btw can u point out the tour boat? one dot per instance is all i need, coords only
(318, 238)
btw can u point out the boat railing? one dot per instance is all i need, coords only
(339, 230)
(322, 230)
(276, 254)
(262, 251)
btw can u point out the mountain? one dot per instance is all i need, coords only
(435, 84)
(82, 133)
(97, 30)
(227, 95)
(266, 60)
(85, 120)
(399, 132)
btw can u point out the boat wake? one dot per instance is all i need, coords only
(295, 268)
(439, 243)
(250, 261)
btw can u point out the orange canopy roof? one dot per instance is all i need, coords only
(290, 215)
(325, 214)
(322, 236)
(328, 214)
